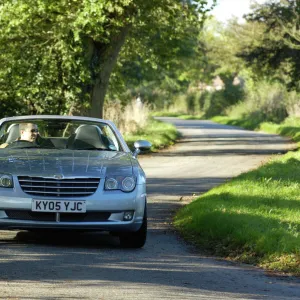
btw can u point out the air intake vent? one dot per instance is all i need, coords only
(60, 188)
(64, 217)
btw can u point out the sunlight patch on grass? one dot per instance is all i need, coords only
(289, 128)
(177, 115)
(253, 218)
(160, 134)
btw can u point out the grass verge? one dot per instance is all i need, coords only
(164, 113)
(254, 218)
(177, 115)
(290, 127)
(160, 134)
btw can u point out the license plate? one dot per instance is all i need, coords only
(61, 206)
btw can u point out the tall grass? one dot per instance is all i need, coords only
(129, 118)
(135, 123)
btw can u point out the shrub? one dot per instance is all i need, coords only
(269, 102)
(293, 104)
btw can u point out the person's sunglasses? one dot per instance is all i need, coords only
(34, 130)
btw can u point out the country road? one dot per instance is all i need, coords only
(93, 266)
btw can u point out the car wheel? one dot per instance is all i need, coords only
(135, 239)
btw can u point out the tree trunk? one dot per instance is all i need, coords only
(103, 60)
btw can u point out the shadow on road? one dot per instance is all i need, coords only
(182, 186)
(223, 152)
(96, 260)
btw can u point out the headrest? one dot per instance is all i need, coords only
(13, 133)
(87, 136)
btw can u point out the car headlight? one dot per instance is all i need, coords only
(123, 183)
(6, 181)
(111, 184)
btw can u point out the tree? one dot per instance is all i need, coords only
(161, 60)
(277, 54)
(58, 56)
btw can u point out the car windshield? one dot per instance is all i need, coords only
(58, 134)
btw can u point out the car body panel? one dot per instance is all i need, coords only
(68, 163)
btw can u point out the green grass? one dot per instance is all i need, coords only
(165, 114)
(177, 115)
(290, 127)
(160, 134)
(254, 218)
(247, 123)
(191, 117)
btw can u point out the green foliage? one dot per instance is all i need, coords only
(276, 53)
(232, 93)
(221, 44)
(42, 65)
(212, 103)
(165, 59)
(54, 55)
(253, 52)
(266, 102)
(253, 218)
(206, 104)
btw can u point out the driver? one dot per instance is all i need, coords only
(28, 133)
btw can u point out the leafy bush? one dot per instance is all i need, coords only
(207, 103)
(266, 102)
(293, 104)
(214, 104)
(233, 92)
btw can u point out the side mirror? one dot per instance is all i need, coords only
(141, 145)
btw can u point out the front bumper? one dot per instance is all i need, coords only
(112, 204)
(108, 225)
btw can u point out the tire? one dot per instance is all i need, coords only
(135, 239)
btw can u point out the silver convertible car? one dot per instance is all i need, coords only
(75, 173)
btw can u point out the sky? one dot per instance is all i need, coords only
(225, 9)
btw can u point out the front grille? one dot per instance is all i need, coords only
(51, 217)
(49, 187)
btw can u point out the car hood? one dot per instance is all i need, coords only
(66, 163)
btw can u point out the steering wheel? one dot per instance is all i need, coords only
(22, 144)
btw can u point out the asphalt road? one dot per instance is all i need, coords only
(93, 266)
